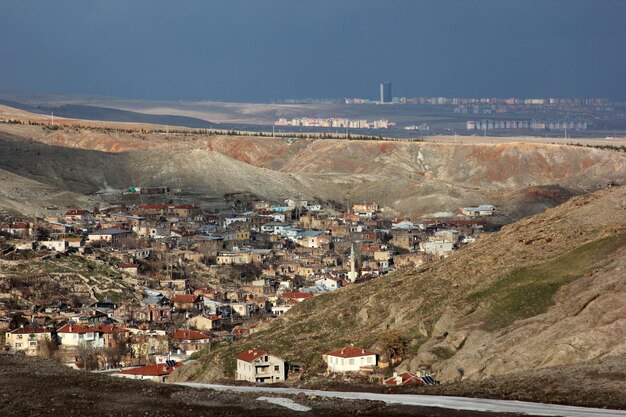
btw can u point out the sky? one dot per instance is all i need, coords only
(259, 50)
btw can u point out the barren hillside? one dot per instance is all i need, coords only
(412, 177)
(541, 292)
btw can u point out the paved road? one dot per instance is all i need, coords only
(456, 403)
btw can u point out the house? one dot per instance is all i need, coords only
(405, 378)
(110, 235)
(350, 359)
(187, 301)
(190, 340)
(77, 215)
(157, 308)
(27, 339)
(54, 245)
(280, 309)
(437, 248)
(409, 260)
(312, 239)
(157, 372)
(330, 283)
(131, 269)
(296, 203)
(20, 229)
(405, 240)
(365, 209)
(205, 322)
(244, 309)
(259, 366)
(74, 242)
(447, 235)
(98, 336)
(186, 210)
(482, 210)
(57, 227)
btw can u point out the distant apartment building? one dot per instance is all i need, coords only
(385, 92)
(483, 125)
(336, 122)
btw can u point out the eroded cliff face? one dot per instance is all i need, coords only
(414, 178)
(543, 291)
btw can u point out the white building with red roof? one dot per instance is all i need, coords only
(258, 366)
(95, 335)
(27, 339)
(350, 359)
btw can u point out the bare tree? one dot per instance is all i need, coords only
(87, 355)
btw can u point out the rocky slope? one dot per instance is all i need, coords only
(541, 292)
(414, 178)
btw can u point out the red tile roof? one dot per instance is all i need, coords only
(76, 212)
(156, 369)
(184, 298)
(406, 378)
(189, 335)
(350, 352)
(29, 330)
(18, 225)
(99, 328)
(250, 355)
(185, 206)
(288, 294)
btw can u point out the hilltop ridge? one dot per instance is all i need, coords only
(415, 178)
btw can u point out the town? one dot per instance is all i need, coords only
(335, 122)
(140, 289)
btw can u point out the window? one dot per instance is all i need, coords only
(18, 345)
(351, 361)
(33, 343)
(276, 368)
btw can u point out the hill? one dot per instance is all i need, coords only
(541, 292)
(414, 178)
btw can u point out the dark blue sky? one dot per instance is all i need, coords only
(252, 50)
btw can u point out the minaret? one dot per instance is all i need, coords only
(352, 275)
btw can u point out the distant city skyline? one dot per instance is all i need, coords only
(246, 50)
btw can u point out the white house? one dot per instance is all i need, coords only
(437, 248)
(55, 245)
(349, 359)
(110, 235)
(74, 335)
(27, 339)
(331, 284)
(258, 366)
(230, 220)
(282, 309)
